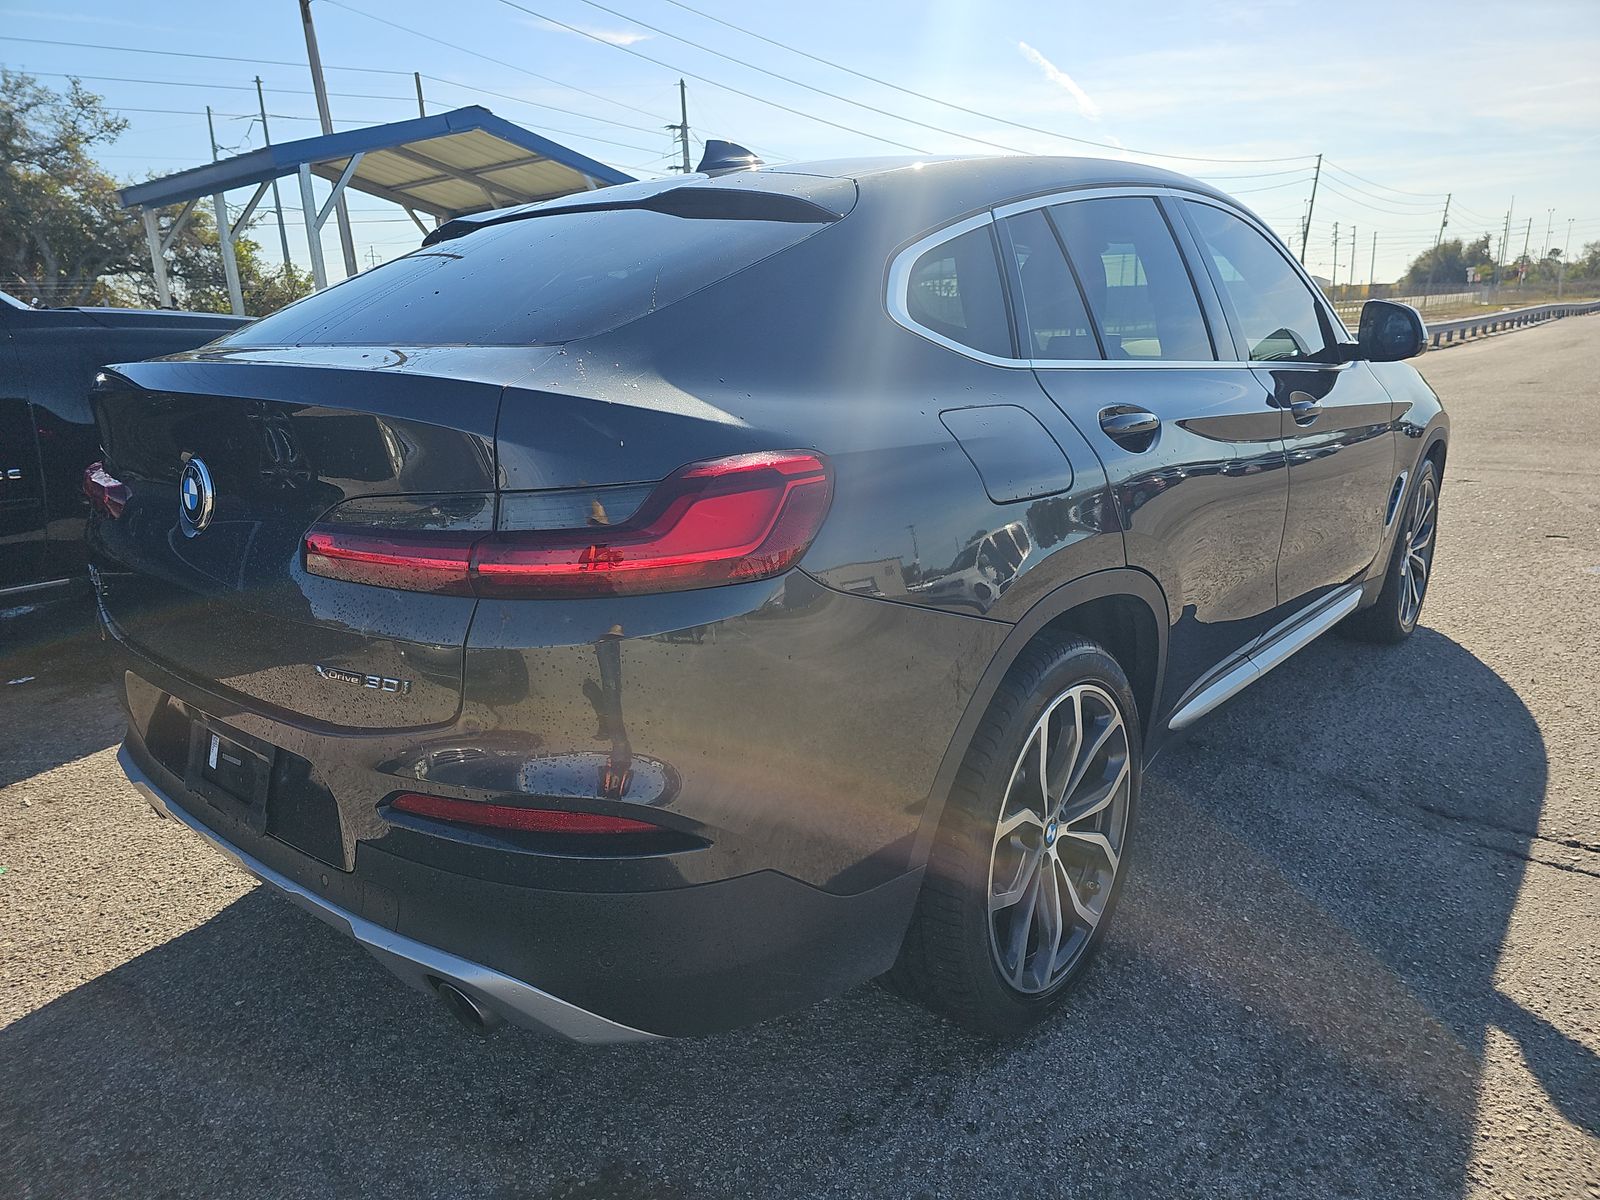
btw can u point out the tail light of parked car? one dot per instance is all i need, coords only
(730, 520)
(107, 494)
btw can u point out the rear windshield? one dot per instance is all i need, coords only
(539, 280)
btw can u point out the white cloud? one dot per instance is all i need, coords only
(1061, 79)
(616, 37)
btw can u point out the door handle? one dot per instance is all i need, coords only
(1131, 427)
(1303, 408)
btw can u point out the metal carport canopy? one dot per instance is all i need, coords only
(446, 165)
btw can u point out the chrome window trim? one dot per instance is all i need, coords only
(896, 300)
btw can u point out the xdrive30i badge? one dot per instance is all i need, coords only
(378, 683)
(196, 497)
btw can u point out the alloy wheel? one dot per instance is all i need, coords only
(1058, 840)
(1417, 562)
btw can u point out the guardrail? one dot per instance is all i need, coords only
(1445, 333)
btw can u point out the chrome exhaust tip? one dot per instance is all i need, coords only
(466, 1008)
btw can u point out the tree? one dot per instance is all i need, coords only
(1447, 263)
(199, 280)
(62, 228)
(65, 238)
(1586, 263)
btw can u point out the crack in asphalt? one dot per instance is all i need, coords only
(1406, 807)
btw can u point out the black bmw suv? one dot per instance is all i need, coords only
(648, 611)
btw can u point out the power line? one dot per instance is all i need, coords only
(1423, 205)
(1435, 196)
(489, 58)
(259, 62)
(882, 112)
(703, 79)
(946, 103)
(231, 87)
(348, 95)
(550, 107)
(1397, 212)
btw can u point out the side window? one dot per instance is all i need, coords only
(1278, 315)
(955, 291)
(1134, 279)
(1057, 324)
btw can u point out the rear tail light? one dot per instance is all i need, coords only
(107, 494)
(515, 818)
(413, 562)
(731, 520)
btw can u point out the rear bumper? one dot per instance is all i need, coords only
(795, 741)
(593, 966)
(418, 964)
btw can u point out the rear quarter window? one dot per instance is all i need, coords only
(552, 278)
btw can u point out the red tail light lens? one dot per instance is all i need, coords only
(107, 494)
(514, 818)
(727, 521)
(413, 562)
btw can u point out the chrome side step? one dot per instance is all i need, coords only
(1297, 634)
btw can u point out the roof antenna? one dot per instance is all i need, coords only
(726, 156)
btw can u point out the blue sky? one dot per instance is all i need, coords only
(1407, 101)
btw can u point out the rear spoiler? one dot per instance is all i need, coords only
(703, 202)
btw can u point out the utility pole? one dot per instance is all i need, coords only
(1433, 263)
(1311, 206)
(1522, 263)
(211, 129)
(346, 240)
(1549, 218)
(1505, 244)
(277, 202)
(1333, 281)
(682, 129)
(1352, 255)
(422, 108)
(1372, 266)
(1561, 279)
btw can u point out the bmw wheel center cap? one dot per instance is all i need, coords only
(196, 497)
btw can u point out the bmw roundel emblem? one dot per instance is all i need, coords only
(196, 497)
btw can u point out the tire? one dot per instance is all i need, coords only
(1392, 618)
(961, 958)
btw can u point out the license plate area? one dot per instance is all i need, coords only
(231, 770)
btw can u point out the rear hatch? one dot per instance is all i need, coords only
(381, 398)
(285, 436)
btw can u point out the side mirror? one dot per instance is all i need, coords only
(1390, 332)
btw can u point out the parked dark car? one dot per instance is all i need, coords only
(660, 608)
(48, 360)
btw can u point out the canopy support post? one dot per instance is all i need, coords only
(308, 206)
(158, 257)
(230, 263)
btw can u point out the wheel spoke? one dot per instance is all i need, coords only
(1087, 915)
(1099, 841)
(1051, 920)
(1087, 756)
(1096, 801)
(1021, 927)
(1419, 568)
(1018, 889)
(1020, 819)
(1066, 752)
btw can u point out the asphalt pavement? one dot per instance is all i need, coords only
(1357, 955)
